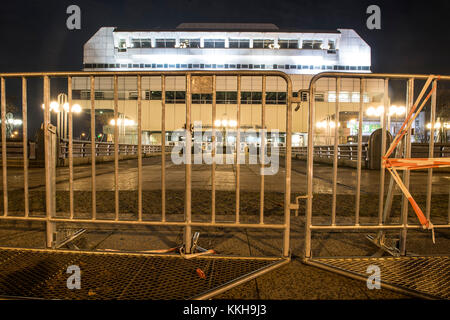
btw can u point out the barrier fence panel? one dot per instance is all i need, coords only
(70, 148)
(395, 156)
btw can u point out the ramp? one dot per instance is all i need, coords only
(42, 274)
(421, 276)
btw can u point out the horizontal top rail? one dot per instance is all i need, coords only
(144, 73)
(397, 76)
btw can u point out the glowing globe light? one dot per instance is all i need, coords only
(76, 108)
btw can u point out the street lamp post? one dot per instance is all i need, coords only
(61, 108)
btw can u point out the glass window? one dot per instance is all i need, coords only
(204, 98)
(356, 97)
(180, 96)
(214, 43)
(246, 97)
(153, 95)
(307, 44)
(256, 97)
(226, 97)
(220, 97)
(170, 96)
(231, 97)
(196, 98)
(175, 96)
(317, 44)
(165, 43)
(135, 43)
(146, 43)
(262, 43)
(271, 98)
(343, 96)
(122, 45)
(281, 97)
(288, 44)
(312, 44)
(239, 43)
(319, 97)
(331, 45)
(189, 43)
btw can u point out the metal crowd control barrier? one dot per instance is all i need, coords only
(380, 223)
(82, 149)
(356, 267)
(51, 218)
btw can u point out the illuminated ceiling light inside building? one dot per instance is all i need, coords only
(232, 123)
(379, 111)
(224, 122)
(437, 125)
(76, 108)
(400, 111)
(370, 111)
(127, 122)
(217, 123)
(54, 106)
(66, 107)
(274, 46)
(325, 124)
(321, 124)
(394, 110)
(375, 112)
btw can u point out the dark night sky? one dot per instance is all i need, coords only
(414, 36)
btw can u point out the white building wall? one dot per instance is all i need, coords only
(351, 50)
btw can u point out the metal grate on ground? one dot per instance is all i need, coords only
(41, 274)
(422, 276)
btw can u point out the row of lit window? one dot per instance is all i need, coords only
(232, 43)
(223, 66)
(222, 97)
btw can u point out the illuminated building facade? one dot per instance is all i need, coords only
(257, 47)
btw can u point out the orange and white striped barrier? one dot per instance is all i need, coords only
(392, 165)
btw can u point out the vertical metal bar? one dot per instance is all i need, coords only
(65, 122)
(25, 145)
(213, 153)
(58, 121)
(335, 152)
(238, 147)
(448, 208)
(69, 94)
(116, 147)
(49, 167)
(261, 150)
(188, 141)
(406, 173)
(431, 149)
(163, 147)
(309, 164)
(4, 155)
(139, 105)
(359, 160)
(383, 150)
(288, 159)
(93, 154)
